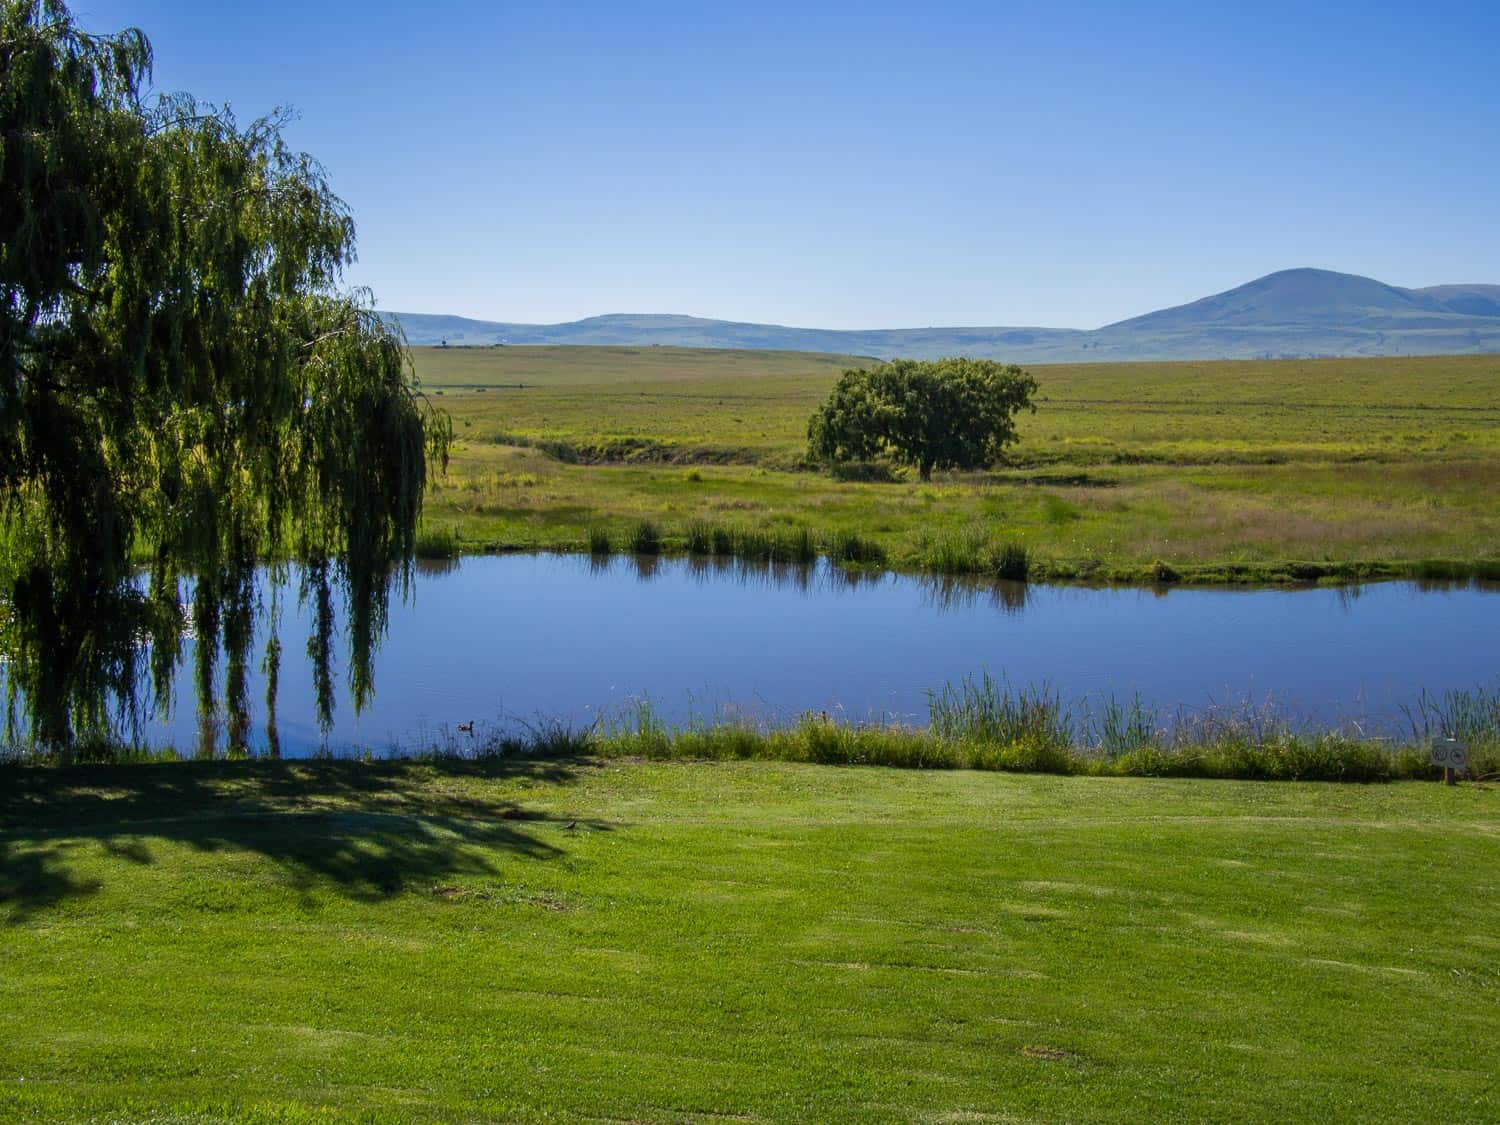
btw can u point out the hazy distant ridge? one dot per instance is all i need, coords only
(1293, 313)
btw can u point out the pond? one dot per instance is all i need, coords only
(505, 641)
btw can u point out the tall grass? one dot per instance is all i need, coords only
(971, 550)
(646, 538)
(799, 546)
(721, 541)
(437, 543)
(955, 552)
(759, 545)
(1471, 715)
(700, 539)
(985, 724)
(989, 710)
(1122, 728)
(1011, 561)
(849, 548)
(755, 544)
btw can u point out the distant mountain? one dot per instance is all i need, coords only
(1293, 313)
(645, 329)
(1471, 300)
(1302, 298)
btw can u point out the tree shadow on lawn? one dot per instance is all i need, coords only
(369, 830)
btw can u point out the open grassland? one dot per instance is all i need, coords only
(659, 942)
(1219, 471)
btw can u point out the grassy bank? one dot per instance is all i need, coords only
(667, 941)
(979, 724)
(1338, 470)
(1229, 753)
(985, 724)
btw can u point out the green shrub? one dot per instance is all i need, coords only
(559, 450)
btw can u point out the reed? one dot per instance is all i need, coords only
(986, 710)
(995, 730)
(755, 544)
(599, 541)
(798, 546)
(849, 548)
(646, 538)
(979, 723)
(1010, 561)
(1471, 715)
(437, 543)
(722, 541)
(1123, 728)
(700, 539)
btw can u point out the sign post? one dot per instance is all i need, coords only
(1452, 755)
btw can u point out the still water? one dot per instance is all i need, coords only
(509, 640)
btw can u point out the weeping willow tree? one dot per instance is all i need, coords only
(187, 395)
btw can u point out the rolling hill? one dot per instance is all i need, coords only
(1292, 314)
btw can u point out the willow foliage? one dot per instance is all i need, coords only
(182, 380)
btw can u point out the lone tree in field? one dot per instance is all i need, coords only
(933, 414)
(185, 386)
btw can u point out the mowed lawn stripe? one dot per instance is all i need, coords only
(673, 941)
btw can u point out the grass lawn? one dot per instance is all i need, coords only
(1197, 465)
(685, 941)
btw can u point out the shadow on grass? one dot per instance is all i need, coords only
(368, 830)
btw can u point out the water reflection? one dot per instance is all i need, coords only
(647, 567)
(435, 568)
(807, 578)
(958, 594)
(1449, 585)
(946, 593)
(1348, 596)
(570, 637)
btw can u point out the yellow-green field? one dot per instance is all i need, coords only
(1220, 470)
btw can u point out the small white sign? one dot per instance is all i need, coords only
(1450, 754)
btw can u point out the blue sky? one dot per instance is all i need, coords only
(859, 165)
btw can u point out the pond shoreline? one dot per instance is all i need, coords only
(979, 724)
(1234, 752)
(1090, 574)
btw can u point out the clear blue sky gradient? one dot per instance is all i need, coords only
(860, 165)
